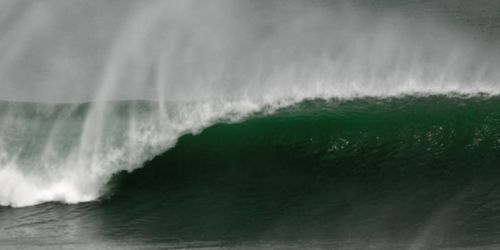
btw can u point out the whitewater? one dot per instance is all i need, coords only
(92, 89)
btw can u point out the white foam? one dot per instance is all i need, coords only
(36, 166)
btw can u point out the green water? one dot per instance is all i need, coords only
(401, 173)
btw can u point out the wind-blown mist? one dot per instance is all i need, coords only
(136, 75)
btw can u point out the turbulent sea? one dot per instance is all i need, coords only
(407, 172)
(224, 124)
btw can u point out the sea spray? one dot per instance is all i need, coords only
(184, 65)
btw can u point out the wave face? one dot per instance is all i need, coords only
(394, 173)
(64, 152)
(397, 173)
(195, 63)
